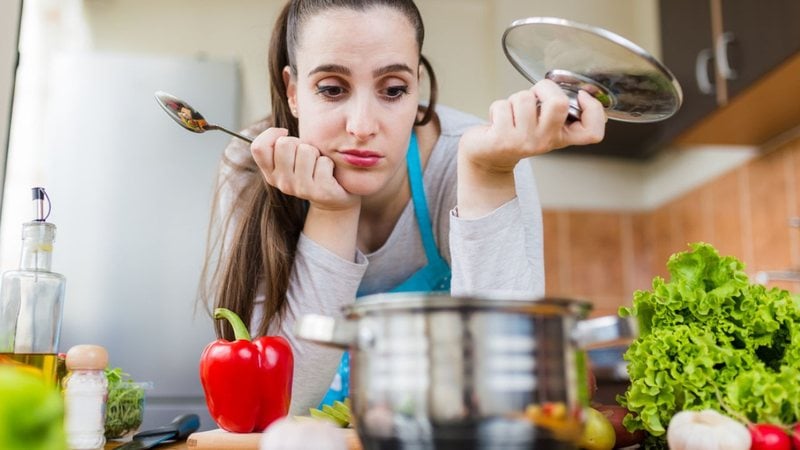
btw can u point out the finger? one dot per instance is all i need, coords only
(285, 151)
(304, 163)
(323, 175)
(523, 105)
(592, 125)
(500, 114)
(323, 170)
(554, 104)
(263, 147)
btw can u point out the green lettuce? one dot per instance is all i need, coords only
(711, 339)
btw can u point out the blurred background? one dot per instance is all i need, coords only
(131, 191)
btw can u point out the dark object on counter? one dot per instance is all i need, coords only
(179, 429)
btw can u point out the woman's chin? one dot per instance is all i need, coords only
(361, 184)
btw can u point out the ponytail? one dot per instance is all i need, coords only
(262, 226)
(434, 90)
(279, 59)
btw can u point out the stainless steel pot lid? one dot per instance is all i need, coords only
(501, 301)
(628, 81)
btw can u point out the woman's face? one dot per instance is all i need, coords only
(356, 93)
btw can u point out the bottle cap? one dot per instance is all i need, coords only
(91, 357)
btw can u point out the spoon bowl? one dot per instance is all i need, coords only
(188, 117)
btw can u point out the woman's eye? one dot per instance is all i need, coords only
(395, 92)
(330, 91)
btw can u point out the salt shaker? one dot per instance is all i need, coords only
(85, 394)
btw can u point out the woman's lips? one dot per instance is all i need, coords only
(361, 158)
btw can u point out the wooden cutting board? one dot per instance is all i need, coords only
(222, 440)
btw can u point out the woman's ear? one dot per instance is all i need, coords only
(291, 90)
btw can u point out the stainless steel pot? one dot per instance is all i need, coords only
(433, 371)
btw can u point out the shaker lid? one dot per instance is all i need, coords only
(92, 357)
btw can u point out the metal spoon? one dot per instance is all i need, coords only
(188, 117)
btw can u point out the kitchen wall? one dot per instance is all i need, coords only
(604, 256)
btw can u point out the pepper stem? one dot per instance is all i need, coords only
(239, 329)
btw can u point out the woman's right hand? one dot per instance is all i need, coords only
(300, 170)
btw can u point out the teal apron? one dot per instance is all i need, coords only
(433, 277)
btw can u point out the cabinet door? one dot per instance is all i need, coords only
(764, 35)
(685, 33)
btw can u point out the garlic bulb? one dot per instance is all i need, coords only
(706, 430)
(290, 434)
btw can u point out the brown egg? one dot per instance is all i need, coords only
(93, 357)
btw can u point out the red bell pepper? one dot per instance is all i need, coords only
(247, 383)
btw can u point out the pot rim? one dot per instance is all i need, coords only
(496, 301)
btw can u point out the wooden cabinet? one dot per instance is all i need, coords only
(762, 36)
(686, 45)
(719, 48)
(721, 51)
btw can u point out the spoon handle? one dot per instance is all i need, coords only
(225, 130)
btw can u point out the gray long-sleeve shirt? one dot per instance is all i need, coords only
(501, 251)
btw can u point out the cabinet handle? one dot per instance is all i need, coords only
(723, 65)
(701, 71)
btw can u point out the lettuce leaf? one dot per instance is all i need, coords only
(711, 339)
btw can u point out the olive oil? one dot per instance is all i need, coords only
(41, 364)
(32, 298)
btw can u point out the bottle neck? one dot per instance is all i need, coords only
(37, 246)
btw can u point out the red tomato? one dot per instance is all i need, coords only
(796, 436)
(769, 437)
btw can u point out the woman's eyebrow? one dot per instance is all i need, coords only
(337, 68)
(392, 68)
(333, 68)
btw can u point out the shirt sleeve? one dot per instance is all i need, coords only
(502, 251)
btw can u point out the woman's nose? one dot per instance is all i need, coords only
(362, 121)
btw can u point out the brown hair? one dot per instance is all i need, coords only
(256, 242)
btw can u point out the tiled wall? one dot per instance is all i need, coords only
(605, 256)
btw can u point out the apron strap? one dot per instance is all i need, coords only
(420, 202)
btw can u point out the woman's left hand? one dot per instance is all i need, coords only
(529, 123)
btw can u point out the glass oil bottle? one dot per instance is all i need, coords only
(32, 298)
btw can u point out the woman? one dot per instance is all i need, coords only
(330, 201)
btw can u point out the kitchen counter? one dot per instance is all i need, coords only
(221, 440)
(174, 446)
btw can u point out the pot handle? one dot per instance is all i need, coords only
(326, 330)
(606, 331)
